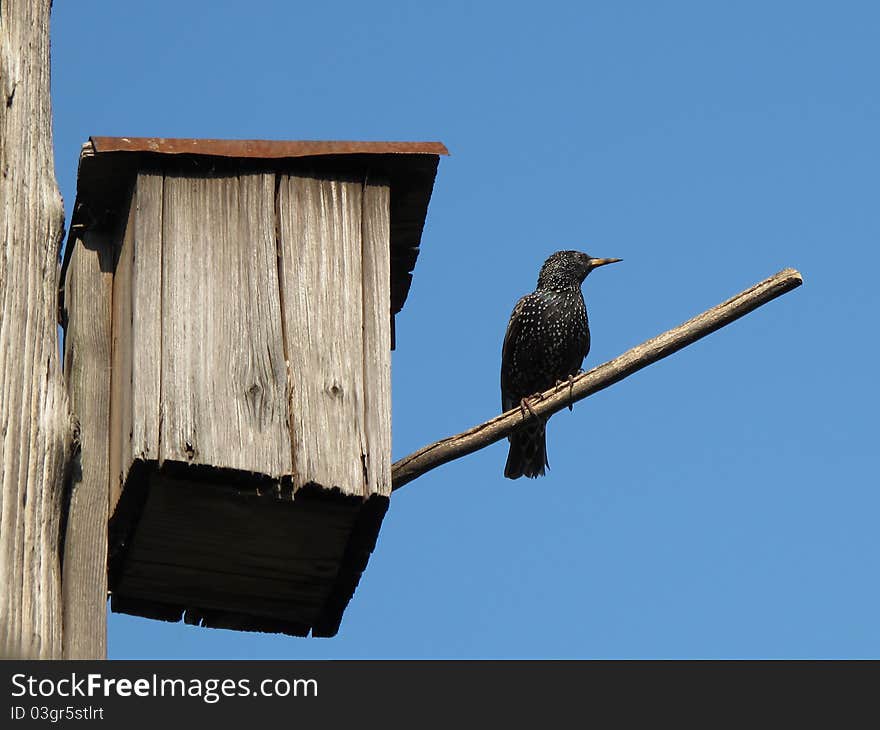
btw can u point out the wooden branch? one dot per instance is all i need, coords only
(600, 377)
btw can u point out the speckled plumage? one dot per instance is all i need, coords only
(547, 339)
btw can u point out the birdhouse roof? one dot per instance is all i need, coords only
(108, 165)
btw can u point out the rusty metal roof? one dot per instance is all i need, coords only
(108, 166)
(261, 148)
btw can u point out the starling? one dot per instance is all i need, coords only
(547, 339)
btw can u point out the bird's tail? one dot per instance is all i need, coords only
(528, 452)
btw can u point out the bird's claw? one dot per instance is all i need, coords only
(524, 405)
(570, 381)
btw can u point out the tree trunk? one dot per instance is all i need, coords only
(35, 428)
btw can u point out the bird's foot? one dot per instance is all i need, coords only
(570, 382)
(525, 406)
(571, 389)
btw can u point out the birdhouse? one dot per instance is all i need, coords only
(247, 292)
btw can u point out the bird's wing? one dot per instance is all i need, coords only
(511, 338)
(581, 354)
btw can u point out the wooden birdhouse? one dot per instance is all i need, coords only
(233, 303)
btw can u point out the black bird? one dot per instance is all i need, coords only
(547, 339)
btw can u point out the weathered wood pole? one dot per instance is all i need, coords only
(440, 452)
(35, 429)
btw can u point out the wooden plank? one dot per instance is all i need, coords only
(376, 257)
(197, 519)
(223, 381)
(146, 322)
(134, 420)
(321, 282)
(219, 589)
(88, 292)
(176, 586)
(121, 362)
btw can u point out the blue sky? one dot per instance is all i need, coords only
(722, 503)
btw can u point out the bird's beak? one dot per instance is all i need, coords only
(601, 262)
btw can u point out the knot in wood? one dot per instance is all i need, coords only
(254, 397)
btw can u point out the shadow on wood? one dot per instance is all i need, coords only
(232, 550)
